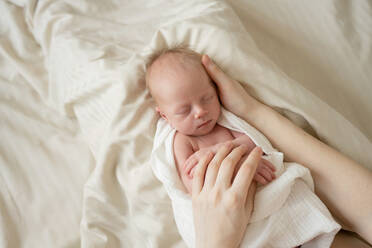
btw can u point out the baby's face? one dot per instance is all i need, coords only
(186, 98)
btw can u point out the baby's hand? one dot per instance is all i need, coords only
(193, 160)
(265, 172)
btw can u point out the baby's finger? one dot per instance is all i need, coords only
(260, 179)
(187, 162)
(191, 175)
(266, 173)
(192, 171)
(270, 171)
(198, 181)
(191, 164)
(269, 164)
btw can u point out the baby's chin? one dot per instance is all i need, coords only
(204, 131)
(195, 132)
(200, 133)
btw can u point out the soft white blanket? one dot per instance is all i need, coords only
(286, 212)
(77, 123)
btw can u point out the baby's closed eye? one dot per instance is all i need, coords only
(207, 98)
(183, 111)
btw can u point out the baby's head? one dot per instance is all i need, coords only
(183, 91)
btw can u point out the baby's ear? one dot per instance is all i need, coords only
(161, 113)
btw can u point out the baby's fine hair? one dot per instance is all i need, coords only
(184, 50)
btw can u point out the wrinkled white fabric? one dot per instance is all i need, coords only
(77, 123)
(286, 212)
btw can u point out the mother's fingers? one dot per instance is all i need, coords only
(246, 172)
(214, 166)
(218, 76)
(198, 180)
(250, 198)
(228, 166)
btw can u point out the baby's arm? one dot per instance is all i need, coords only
(183, 149)
(241, 138)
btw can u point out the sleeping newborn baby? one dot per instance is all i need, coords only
(286, 211)
(187, 99)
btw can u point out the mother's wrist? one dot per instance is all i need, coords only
(250, 111)
(213, 245)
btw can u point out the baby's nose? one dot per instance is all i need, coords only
(200, 112)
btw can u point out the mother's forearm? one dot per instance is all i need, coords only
(343, 185)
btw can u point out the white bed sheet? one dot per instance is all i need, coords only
(75, 145)
(44, 161)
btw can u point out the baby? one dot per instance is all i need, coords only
(186, 98)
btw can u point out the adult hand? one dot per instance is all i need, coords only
(222, 203)
(193, 160)
(232, 95)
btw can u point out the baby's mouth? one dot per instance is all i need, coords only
(204, 123)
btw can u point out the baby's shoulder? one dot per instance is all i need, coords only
(181, 141)
(220, 130)
(179, 137)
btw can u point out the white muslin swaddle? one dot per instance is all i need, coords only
(286, 212)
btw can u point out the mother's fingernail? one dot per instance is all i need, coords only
(206, 59)
(259, 149)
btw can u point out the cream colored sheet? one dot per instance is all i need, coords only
(44, 161)
(77, 124)
(326, 46)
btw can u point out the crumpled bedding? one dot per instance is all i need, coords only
(77, 122)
